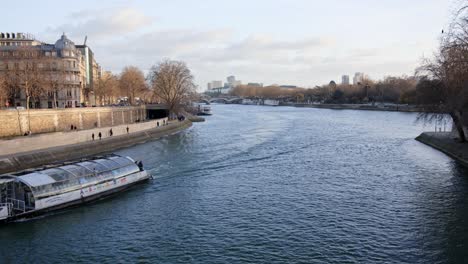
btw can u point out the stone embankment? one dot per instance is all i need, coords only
(49, 140)
(18, 122)
(193, 118)
(87, 148)
(446, 143)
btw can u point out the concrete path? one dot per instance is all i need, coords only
(35, 158)
(49, 140)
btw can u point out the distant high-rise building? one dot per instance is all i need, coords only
(345, 79)
(216, 84)
(231, 82)
(231, 79)
(358, 78)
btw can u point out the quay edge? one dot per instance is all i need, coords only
(445, 143)
(21, 161)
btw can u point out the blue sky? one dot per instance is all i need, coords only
(301, 42)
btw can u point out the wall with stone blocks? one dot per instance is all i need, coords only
(18, 122)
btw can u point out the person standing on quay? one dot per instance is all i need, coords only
(110, 132)
(127, 129)
(92, 136)
(100, 135)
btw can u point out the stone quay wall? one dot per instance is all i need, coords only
(18, 122)
(446, 143)
(86, 149)
(48, 140)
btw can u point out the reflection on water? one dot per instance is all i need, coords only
(270, 185)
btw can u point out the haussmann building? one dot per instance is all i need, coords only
(63, 73)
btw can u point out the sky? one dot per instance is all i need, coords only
(293, 42)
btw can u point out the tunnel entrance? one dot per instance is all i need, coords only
(156, 113)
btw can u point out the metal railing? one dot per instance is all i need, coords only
(17, 204)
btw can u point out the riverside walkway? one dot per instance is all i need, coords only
(79, 144)
(47, 140)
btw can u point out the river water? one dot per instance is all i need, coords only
(270, 185)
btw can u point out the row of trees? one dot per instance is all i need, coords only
(35, 78)
(169, 82)
(391, 89)
(131, 83)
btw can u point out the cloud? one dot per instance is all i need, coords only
(126, 36)
(103, 24)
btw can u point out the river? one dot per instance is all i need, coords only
(260, 184)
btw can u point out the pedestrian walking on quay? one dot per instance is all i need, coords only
(127, 129)
(100, 135)
(92, 136)
(110, 132)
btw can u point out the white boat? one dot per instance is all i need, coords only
(34, 192)
(249, 102)
(271, 102)
(204, 110)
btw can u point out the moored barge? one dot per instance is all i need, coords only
(33, 192)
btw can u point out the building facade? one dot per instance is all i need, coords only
(218, 87)
(47, 75)
(358, 78)
(345, 80)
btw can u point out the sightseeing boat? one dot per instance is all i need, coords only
(204, 110)
(33, 192)
(270, 102)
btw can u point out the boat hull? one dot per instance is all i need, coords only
(74, 203)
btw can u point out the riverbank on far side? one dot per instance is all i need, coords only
(40, 157)
(446, 143)
(369, 107)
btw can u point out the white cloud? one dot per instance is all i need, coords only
(126, 36)
(103, 24)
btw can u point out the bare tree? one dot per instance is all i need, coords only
(173, 83)
(449, 69)
(29, 79)
(132, 83)
(3, 91)
(106, 88)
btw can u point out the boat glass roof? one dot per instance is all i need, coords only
(78, 171)
(36, 179)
